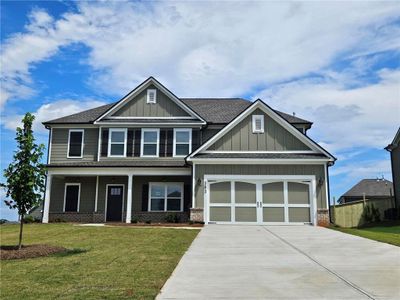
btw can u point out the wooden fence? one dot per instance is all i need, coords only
(350, 214)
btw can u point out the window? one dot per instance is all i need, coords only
(117, 142)
(151, 96)
(150, 142)
(166, 196)
(182, 141)
(72, 197)
(258, 123)
(75, 143)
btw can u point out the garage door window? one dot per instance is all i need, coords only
(166, 197)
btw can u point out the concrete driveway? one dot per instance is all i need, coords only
(284, 262)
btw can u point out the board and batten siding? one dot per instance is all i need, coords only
(59, 145)
(87, 193)
(242, 138)
(138, 107)
(201, 170)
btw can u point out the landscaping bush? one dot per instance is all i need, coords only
(148, 222)
(134, 220)
(172, 218)
(371, 214)
(30, 219)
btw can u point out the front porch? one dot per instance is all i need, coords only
(99, 195)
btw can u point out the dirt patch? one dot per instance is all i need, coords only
(29, 251)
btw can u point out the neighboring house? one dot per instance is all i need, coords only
(37, 212)
(372, 189)
(394, 149)
(152, 154)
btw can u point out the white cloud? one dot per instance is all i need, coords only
(198, 49)
(50, 111)
(344, 118)
(367, 169)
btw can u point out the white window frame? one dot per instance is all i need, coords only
(258, 117)
(82, 142)
(157, 143)
(65, 194)
(111, 130)
(190, 141)
(149, 91)
(165, 185)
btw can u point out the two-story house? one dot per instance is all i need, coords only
(214, 160)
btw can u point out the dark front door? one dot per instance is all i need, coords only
(115, 194)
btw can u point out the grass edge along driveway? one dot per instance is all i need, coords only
(109, 262)
(385, 232)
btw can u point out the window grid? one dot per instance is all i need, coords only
(112, 143)
(165, 197)
(187, 143)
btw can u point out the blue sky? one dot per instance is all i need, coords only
(336, 64)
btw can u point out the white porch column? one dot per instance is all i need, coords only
(129, 200)
(46, 205)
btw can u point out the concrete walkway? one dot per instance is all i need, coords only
(284, 262)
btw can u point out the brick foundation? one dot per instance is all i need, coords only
(323, 217)
(196, 215)
(77, 217)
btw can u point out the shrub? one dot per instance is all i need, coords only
(148, 222)
(134, 220)
(2, 221)
(59, 220)
(371, 214)
(30, 219)
(172, 218)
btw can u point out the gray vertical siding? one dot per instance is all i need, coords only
(395, 155)
(59, 145)
(138, 107)
(317, 170)
(87, 193)
(242, 138)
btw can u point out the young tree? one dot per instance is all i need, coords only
(25, 176)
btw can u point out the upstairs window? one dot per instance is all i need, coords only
(166, 196)
(258, 123)
(150, 142)
(117, 142)
(182, 141)
(75, 143)
(151, 96)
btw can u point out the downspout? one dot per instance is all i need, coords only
(48, 160)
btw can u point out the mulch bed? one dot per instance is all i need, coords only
(28, 251)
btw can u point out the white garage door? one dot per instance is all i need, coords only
(259, 201)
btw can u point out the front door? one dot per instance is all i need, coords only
(115, 196)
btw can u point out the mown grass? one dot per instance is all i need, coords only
(104, 262)
(386, 233)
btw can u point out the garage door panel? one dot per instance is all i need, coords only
(246, 214)
(298, 193)
(299, 214)
(220, 192)
(220, 214)
(273, 193)
(245, 192)
(273, 214)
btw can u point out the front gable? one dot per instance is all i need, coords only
(135, 105)
(274, 138)
(138, 106)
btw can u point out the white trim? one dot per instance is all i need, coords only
(264, 152)
(253, 125)
(259, 104)
(107, 171)
(99, 143)
(50, 142)
(129, 200)
(67, 184)
(96, 197)
(256, 161)
(82, 142)
(258, 177)
(149, 92)
(143, 86)
(46, 205)
(328, 201)
(110, 131)
(71, 126)
(157, 143)
(193, 186)
(189, 142)
(165, 185)
(123, 200)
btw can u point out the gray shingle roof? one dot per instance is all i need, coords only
(213, 110)
(262, 155)
(371, 187)
(150, 121)
(124, 163)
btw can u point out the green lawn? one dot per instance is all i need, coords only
(117, 262)
(386, 233)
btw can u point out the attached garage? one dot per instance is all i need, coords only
(260, 199)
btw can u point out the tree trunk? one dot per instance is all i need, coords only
(21, 225)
